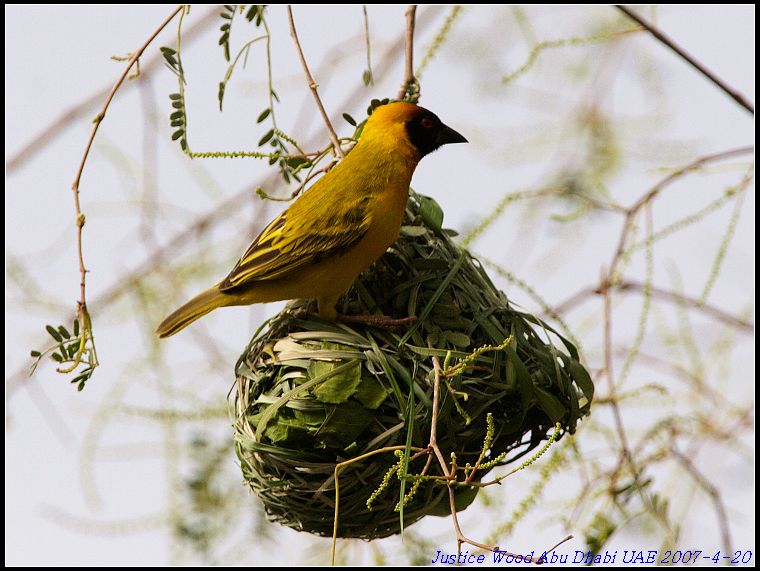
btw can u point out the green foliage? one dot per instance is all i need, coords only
(227, 15)
(73, 352)
(276, 146)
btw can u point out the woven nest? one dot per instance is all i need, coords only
(311, 394)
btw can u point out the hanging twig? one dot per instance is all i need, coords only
(409, 85)
(313, 86)
(727, 89)
(82, 313)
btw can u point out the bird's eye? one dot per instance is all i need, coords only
(426, 123)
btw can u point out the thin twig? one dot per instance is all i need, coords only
(409, 85)
(80, 218)
(728, 90)
(433, 444)
(548, 551)
(712, 491)
(313, 86)
(449, 474)
(369, 80)
(617, 417)
(692, 166)
(631, 286)
(667, 295)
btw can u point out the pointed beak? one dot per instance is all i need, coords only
(448, 135)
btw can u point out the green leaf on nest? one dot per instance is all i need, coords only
(339, 387)
(431, 213)
(550, 404)
(345, 422)
(371, 393)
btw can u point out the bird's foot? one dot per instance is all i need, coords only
(381, 321)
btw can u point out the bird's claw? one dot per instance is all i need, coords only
(381, 321)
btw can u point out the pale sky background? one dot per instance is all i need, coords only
(665, 115)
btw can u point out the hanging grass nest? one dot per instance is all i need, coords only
(311, 394)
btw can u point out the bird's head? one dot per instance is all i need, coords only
(401, 121)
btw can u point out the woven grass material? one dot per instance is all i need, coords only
(311, 394)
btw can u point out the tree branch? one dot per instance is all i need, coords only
(723, 86)
(410, 85)
(711, 491)
(744, 325)
(313, 86)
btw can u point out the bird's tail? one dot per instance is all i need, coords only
(196, 308)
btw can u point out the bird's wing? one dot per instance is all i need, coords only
(296, 239)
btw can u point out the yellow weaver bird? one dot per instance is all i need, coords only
(337, 228)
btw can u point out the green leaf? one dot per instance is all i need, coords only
(284, 428)
(413, 231)
(367, 77)
(35, 353)
(295, 162)
(57, 357)
(264, 114)
(371, 393)
(339, 387)
(581, 378)
(177, 104)
(311, 417)
(350, 120)
(80, 387)
(64, 332)
(524, 382)
(431, 213)
(76, 328)
(177, 115)
(457, 339)
(177, 134)
(53, 333)
(221, 94)
(175, 96)
(265, 139)
(345, 422)
(553, 408)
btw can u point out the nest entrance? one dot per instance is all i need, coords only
(312, 394)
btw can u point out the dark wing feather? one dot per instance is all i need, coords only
(284, 246)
